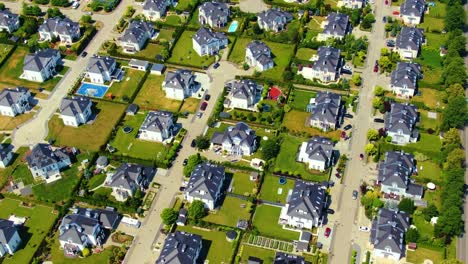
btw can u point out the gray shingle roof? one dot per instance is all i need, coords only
(338, 24)
(138, 63)
(388, 230)
(327, 107)
(320, 148)
(328, 59)
(9, 97)
(106, 217)
(215, 11)
(127, 176)
(205, 36)
(157, 121)
(272, 17)
(260, 51)
(63, 26)
(406, 74)
(396, 168)
(413, 8)
(179, 79)
(7, 230)
(401, 117)
(243, 89)
(136, 31)
(180, 248)
(38, 60)
(155, 5)
(99, 65)
(205, 181)
(42, 155)
(410, 38)
(76, 228)
(7, 18)
(285, 258)
(75, 105)
(238, 135)
(307, 200)
(5, 151)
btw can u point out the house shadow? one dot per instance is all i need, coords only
(94, 114)
(25, 236)
(32, 103)
(196, 87)
(206, 244)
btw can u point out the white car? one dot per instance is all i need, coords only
(364, 229)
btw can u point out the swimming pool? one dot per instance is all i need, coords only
(93, 90)
(233, 26)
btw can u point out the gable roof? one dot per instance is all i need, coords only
(388, 230)
(328, 59)
(7, 230)
(180, 248)
(126, 176)
(205, 181)
(274, 16)
(205, 36)
(10, 97)
(7, 18)
(401, 117)
(260, 51)
(180, 79)
(62, 26)
(214, 11)
(5, 151)
(413, 8)
(243, 89)
(285, 258)
(136, 31)
(307, 200)
(157, 121)
(42, 156)
(37, 61)
(396, 168)
(410, 38)
(337, 25)
(320, 148)
(99, 65)
(240, 134)
(406, 75)
(155, 5)
(327, 107)
(76, 228)
(74, 105)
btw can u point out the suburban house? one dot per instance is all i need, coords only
(46, 162)
(180, 247)
(205, 184)
(412, 11)
(156, 9)
(62, 28)
(127, 178)
(208, 42)
(158, 126)
(394, 176)
(404, 80)
(141, 65)
(136, 35)
(326, 66)
(14, 101)
(101, 69)
(274, 20)
(352, 4)
(40, 66)
(6, 154)
(258, 55)
(400, 123)
(317, 153)
(409, 41)
(10, 239)
(108, 217)
(325, 109)
(76, 110)
(179, 84)
(243, 94)
(214, 14)
(236, 140)
(305, 206)
(387, 234)
(9, 22)
(285, 258)
(335, 26)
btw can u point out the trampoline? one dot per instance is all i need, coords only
(127, 129)
(282, 180)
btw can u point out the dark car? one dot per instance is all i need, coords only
(355, 194)
(330, 211)
(379, 120)
(390, 43)
(327, 232)
(181, 188)
(216, 65)
(348, 115)
(185, 162)
(84, 54)
(193, 144)
(203, 106)
(207, 97)
(376, 66)
(347, 127)
(384, 19)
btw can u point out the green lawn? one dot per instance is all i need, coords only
(432, 23)
(432, 66)
(295, 121)
(4, 50)
(424, 228)
(429, 170)
(299, 99)
(215, 248)
(266, 221)
(435, 40)
(270, 186)
(128, 144)
(6, 172)
(238, 52)
(96, 180)
(438, 11)
(10, 123)
(426, 122)
(23, 174)
(150, 51)
(185, 54)
(57, 256)
(124, 90)
(434, 197)
(40, 220)
(419, 255)
(88, 137)
(431, 98)
(305, 53)
(250, 251)
(184, 5)
(241, 183)
(190, 105)
(229, 213)
(173, 20)
(427, 143)
(152, 97)
(165, 34)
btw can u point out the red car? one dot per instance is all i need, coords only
(386, 2)
(327, 232)
(343, 134)
(376, 66)
(203, 106)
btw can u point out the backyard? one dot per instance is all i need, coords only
(165, 34)
(185, 5)
(87, 137)
(184, 53)
(232, 210)
(305, 54)
(427, 144)
(421, 254)
(432, 67)
(152, 97)
(241, 183)
(299, 99)
(428, 123)
(266, 221)
(264, 254)
(273, 191)
(57, 256)
(431, 98)
(150, 51)
(124, 90)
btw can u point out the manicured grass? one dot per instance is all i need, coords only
(427, 142)
(435, 40)
(424, 228)
(190, 105)
(129, 145)
(40, 220)
(238, 53)
(270, 186)
(429, 170)
(6, 172)
(165, 34)
(57, 255)
(434, 197)
(23, 174)
(299, 99)
(96, 180)
(426, 122)
(432, 23)
(184, 5)
(173, 20)
(295, 121)
(250, 251)
(124, 90)
(215, 248)
(431, 98)
(184, 53)
(230, 212)
(150, 51)
(432, 66)
(438, 11)
(152, 97)
(88, 137)
(10, 123)
(266, 221)
(315, 22)
(241, 183)
(419, 255)
(4, 50)
(305, 53)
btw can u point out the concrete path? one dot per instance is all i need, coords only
(252, 6)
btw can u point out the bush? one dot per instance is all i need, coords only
(85, 252)
(169, 216)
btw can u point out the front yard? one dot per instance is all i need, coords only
(232, 210)
(10, 123)
(299, 99)
(152, 97)
(266, 221)
(124, 90)
(273, 191)
(184, 53)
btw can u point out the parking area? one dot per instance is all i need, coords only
(204, 85)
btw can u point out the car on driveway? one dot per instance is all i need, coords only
(379, 120)
(199, 114)
(390, 43)
(364, 229)
(384, 19)
(181, 188)
(343, 134)
(347, 127)
(185, 162)
(327, 232)
(203, 106)
(376, 66)
(207, 97)
(355, 194)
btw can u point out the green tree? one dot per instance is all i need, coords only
(86, 19)
(455, 114)
(412, 235)
(356, 79)
(2, 6)
(449, 223)
(455, 18)
(370, 149)
(367, 21)
(451, 261)
(54, 12)
(385, 63)
(31, 10)
(373, 135)
(451, 137)
(377, 102)
(256, 29)
(202, 142)
(169, 216)
(455, 158)
(453, 73)
(454, 91)
(192, 162)
(197, 210)
(429, 212)
(85, 252)
(406, 205)
(379, 91)
(270, 148)
(60, 2)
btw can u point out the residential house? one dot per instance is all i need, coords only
(412, 11)
(138, 64)
(108, 217)
(157, 69)
(80, 231)
(317, 153)
(76, 110)
(127, 179)
(409, 41)
(215, 14)
(101, 69)
(208, 42)
(258, 55)
(236, 140)
(404, 80)
(394, 176)
(62, 28)
(305, 206)
(46, 162)
(243, 94)
(156, 9)
(335, 26)
(14, 101)
(273, 20)
(40, 66)
(158, 126)
(400, 123)
(352, 4)
(9, 22)
(285, 258)
(205, 184)
(180, 247)
(136, 35)
(387, 234)
(179, 84)
(326, 111)
(10, 239)
(6, 155)
(326, 68)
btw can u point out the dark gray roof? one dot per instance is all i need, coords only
(396, 168)
(215, 11)
(305, 236)
(7, 230)
(10, 97)
(76, 228)
(410, 38)
(205, 36)
(388, 230)
(38, 60)
(401, 117)
(139, 63)
(327, 107)
(413, 8)
(98, 64)
(307, 200)
(179, 79)
(254, 260)
(106, 217)
(157, 121)
(239, 134)
(132, 108)
(285, 258)
(205, 181)
(42, 155)
(180, 248)
(102, 161)
(406, 75)
(328, 59)
(158, 67)
(5, 151)
(136, 31)
(127, 176)
(243, 89)
(155, 5)
(273, 17)
(7, 18)
(320, 148)
(63, 26)
(260, 51)
(338, 24)
(75, 105)
(415, 189)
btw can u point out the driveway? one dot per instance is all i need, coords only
(252, 6)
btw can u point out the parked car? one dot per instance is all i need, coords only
(199, 114)
(386, 2)
(185, 162)
(379, 120)
(343, 134)
(181, 188)
(347, 127)
(355, 194)
(364, 229)
(203, 106)
(216, 65)
(193, 144)
(390, 43)
(84, 53)
(384, 19)
(330, 211)
(76, 5)
(376, 66)
(361, 156)
(327, 232)
(207, 97)
(348, 115)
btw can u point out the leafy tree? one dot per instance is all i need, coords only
(406, 205)
(449, 223)
(379, 91)
(373, 135)
(85, 252)
(367, 21)
(270, 148)
(169, 216)
(2, 6)
(451, 137)
(451, 261)
(31, 10)
(197, 210)
(192, 162)
(86, 19)
(202, 142)
(54, 12)
(60, 2)
(377, 102)
(370, 149)
(429, 212)
(454, 114)
(256, 29)
(455, 158)
(454, 91)
(412, 235)
(453, 73)
(356, 79)
(455, 18)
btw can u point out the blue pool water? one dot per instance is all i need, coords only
(233, 26)
(92, 90)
